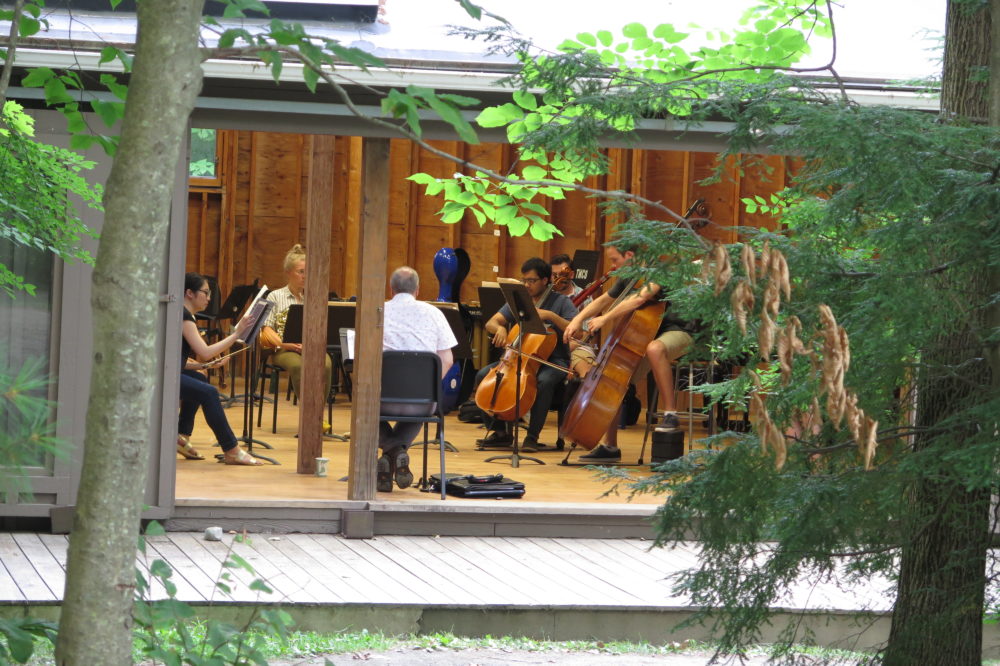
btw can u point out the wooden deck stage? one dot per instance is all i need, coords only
(276, 496)
(542, 587)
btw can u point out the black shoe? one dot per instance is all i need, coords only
(530, 444)
(496, 439)
(603, 453)
(383, 480)
(404, 477)
(668, 422)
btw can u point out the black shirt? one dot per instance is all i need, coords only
(670, 321)
(186, 351)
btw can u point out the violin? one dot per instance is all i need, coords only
(590, 289)
(500, 394)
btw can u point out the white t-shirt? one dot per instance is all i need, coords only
(412, 325)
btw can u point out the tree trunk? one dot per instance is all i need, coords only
(97, 609)
(938, 614)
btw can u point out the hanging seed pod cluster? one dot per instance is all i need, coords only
(828, 349)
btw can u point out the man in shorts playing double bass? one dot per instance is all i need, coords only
(671, 343)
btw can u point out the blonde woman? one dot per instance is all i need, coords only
(288, 355)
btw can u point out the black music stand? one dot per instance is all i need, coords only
(230, 309)
(337, 315)
(585, 266)
(261, 311)
(526, 316)
(490, 301)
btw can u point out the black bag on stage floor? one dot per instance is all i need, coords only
(667, 445)
(469, 485)
(469, 412)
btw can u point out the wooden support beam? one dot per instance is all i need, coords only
(374, 233)
(319, 214)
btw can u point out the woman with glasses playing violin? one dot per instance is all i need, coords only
(556, 311)
(195, 390)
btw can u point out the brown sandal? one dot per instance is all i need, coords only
(185, 449)
(241, 457)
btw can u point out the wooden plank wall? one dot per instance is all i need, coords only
(241, 229)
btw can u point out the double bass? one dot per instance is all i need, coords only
(596, 402)
(500, 394)
(601, 392)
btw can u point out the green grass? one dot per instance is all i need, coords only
(303, 644)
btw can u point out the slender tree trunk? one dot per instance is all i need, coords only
(97, 611)
(938, 615)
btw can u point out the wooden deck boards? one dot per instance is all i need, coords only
(497, 572)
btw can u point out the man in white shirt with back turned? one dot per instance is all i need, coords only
(408, 325)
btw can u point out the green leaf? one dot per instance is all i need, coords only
(605, 37)
(155, 528)
(110, 112)
(475, 11)
(634, 30)
(20, 642)
(37, 77)
(311, 77)
(453, 117)
(525, 100)
(478, 214)
(765, 25)
(260, 586)
(241, 562)
(28, 26)
(587, 38)
(505, 215)
(533, 173)
(498, 116)
(667, 33)
(570, 46)
(355, 56)
(518, 226)
(422, 178)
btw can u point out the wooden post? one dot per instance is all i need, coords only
(319, 213)
(372, 247)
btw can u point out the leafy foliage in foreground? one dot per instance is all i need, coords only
(36, 211)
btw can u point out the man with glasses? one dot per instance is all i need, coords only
(556, 311)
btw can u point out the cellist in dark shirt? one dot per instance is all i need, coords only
(555, 310)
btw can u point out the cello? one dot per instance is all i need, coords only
(500, 394)
(600, 394)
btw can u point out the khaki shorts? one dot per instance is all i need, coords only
(677, 343)
(581, 354)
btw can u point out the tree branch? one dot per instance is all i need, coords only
(8, 64)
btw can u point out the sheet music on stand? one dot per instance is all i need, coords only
(258, 314)
(347, 343)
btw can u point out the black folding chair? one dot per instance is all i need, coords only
(411, 393)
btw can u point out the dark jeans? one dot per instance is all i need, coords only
(197, 392)
(399, 435)
(548, 380)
